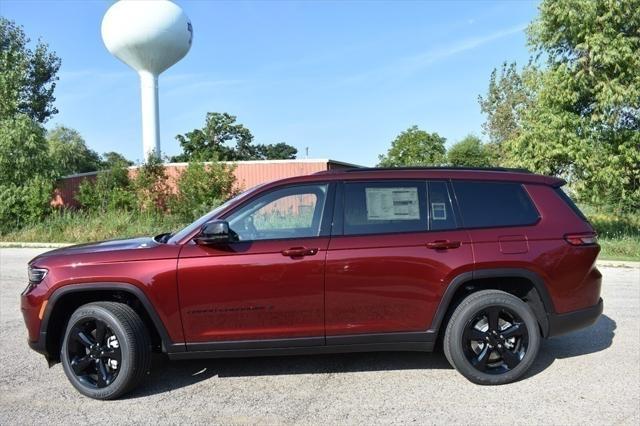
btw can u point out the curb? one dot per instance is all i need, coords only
(619, 264)
(12, 244)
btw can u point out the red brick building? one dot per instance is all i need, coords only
(248, 174)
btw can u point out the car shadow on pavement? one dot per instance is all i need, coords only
(595, 338)
(170, 375)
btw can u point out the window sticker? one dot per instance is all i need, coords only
(438, 211)
(392, 203)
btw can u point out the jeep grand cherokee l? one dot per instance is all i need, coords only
(484, 262)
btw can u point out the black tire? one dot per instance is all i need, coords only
(485, 357)
(89, 350)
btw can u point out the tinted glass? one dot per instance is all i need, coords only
(565, 197)
(293, 212)
(440, 211)
(384, 207)
(492, 204)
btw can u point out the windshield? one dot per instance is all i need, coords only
(197, 224)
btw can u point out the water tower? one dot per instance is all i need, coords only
(149, 36)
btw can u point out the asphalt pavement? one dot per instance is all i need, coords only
(588, 377)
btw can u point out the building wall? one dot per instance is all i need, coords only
(248, 174)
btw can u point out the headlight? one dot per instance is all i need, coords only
(36, 275)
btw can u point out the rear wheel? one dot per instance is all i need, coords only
(492, 338)
(106, 350)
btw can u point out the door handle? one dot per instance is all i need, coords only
(299, 252)
(443, 244)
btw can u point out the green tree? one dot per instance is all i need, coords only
(23, 150)
(112, 158)
(69, 153)
(470, 152)
(278, 151)
(27, 77)
(414, 147)
(212, 142)
(202, 187)
(223, 139)
(585, 121)
(507, 96)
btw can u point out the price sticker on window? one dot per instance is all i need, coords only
(392, 203)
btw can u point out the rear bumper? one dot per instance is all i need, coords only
(571, 321)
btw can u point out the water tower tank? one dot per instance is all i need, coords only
(149, 36)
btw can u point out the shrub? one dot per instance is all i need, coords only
(24, 204)
(151, 186)
(202, 187)
(110, 191)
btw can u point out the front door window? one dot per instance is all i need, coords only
(293, 212)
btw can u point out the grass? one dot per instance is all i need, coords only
(81, 227)
(619, 235)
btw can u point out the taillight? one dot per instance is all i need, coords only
(583, 239)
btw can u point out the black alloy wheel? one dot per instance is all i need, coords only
(106, 349)
(495, 340)
(94, 353)
(492, 337)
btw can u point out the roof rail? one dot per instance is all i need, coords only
(455, 168)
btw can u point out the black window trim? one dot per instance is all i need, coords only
(327, 214)
(456, 215)
(522, 185)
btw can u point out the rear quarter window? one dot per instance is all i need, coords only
(565, 197)
(494, 204)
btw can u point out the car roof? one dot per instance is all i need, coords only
(455, 173)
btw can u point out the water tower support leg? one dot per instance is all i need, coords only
(150, 112)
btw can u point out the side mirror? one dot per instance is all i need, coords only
(214, 232)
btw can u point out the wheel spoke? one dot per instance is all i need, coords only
(492, 318)
(101, 330)
(480, 362)
(103, 375)
(477, 335)
(509, 358)
(80, 364)
(84, 338)
(513, 331)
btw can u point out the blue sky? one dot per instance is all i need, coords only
(341, 78)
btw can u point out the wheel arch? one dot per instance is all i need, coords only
(523, 283)
(65, 300)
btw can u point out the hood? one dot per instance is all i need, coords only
(102, 247)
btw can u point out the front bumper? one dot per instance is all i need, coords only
(571, 321)
(39, 345)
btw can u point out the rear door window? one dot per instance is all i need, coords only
(384, 207)
(494, 204)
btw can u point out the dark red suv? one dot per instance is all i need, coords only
(485, 262)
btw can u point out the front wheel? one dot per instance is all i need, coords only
(492, 338)
(106, 350)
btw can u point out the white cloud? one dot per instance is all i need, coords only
(411, 64)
